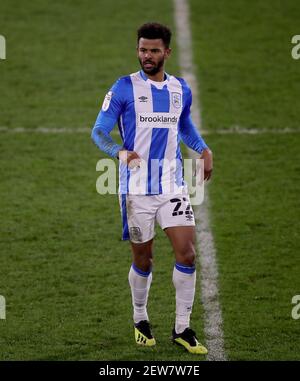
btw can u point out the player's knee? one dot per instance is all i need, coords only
(186, 255)
(143, 263)
(190, 258)
(148, 264)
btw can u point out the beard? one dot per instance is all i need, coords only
(155, 68)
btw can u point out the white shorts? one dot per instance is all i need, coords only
(140, 212)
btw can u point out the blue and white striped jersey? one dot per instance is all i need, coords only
(152, 117)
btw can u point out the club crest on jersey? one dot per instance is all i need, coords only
(176, 99)
(107, 100)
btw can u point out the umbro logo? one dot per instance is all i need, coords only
(189, 217)
(143, 98)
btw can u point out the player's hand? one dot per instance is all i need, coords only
(129, 158)
(207, 156)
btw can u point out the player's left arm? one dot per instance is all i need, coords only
(192, 138)
(207, 156)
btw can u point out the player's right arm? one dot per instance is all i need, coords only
(112, 107)
(107, 118)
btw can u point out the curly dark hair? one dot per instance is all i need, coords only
(154, 30)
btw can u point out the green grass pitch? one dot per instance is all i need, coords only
(63, 266)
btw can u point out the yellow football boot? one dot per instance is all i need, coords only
(189, 341)
(143, 335)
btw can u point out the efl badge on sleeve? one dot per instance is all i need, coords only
(106, 101)
(176, 100)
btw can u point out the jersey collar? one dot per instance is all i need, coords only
(145, 78)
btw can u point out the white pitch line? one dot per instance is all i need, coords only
(45, 130)
(236, 130)
(209, 273)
